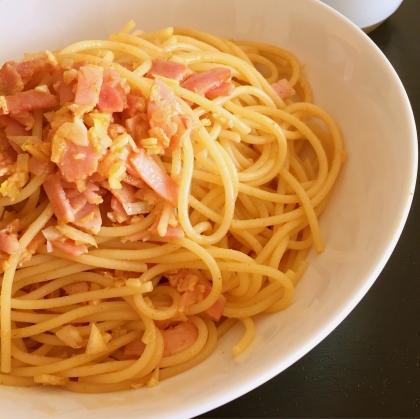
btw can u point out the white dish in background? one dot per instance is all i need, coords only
(355, 83)
(366, 14)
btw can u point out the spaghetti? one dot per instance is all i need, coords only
(156, 188)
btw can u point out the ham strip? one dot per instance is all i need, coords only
(57, 196)
(112, 97)
(10, 79)
(283, 88)
(179, 338)
(168, 69)
(88, 219)
(78, 162)
(149, 171)
(70, 247)
(202, 83)
(29, 101)
(89, 85)
(9, 242)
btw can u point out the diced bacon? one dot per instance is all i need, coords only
(184, 124)
(138, 183)
(189, 298)
(125, 195)
(37, 241)
(225, 89)
(8, 243)
(29, 101)
(112, 97)
(78, 162)
(162, 105)
(215, 312)
(91, 193)
(57, 196)
(9, 237)
(14, 76)
(179, 338)
(283, 88)
(128, 66)
(183, 280)
(70, 247)
(171, 232)
(39, 168)
(138, 126)
(89, 218)
(194, 290)
(96, 178)
(12, 127)
(77, 202)
(67, 91)
(89, 85)
(71, 192)
(119, 210)
(135, 104)
(26, 119)
(59, 120)
(76, 288)
(10, 79)
(168, 69)
(27, 69)
(80, 64)
(134, 349)
(163, 324)
(149, 171)
(203, 82)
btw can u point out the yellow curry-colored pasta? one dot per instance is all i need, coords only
(248, 176)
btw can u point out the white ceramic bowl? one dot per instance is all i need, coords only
(366, 14)
(355, 83)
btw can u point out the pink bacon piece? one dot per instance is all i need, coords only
(225, 89)
(78, 162)
(168, 69)
(14, 76)
(27, 69)
(283, 88)
(70, 247)
(89, 83)
(193, 290)
(10, 79)
(151, 173)
(171, 232)
(29, 100)
(112, 96)
(202, 83)
(162, 106)
(9, 242)
(57, 196)
(179, 338)
(175, 340)
(88, 218)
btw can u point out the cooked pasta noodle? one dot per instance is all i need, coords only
(156, 188)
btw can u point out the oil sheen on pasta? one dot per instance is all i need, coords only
(155, 189)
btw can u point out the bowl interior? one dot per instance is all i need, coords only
(351, 80)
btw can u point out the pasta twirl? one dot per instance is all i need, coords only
(156, 188)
